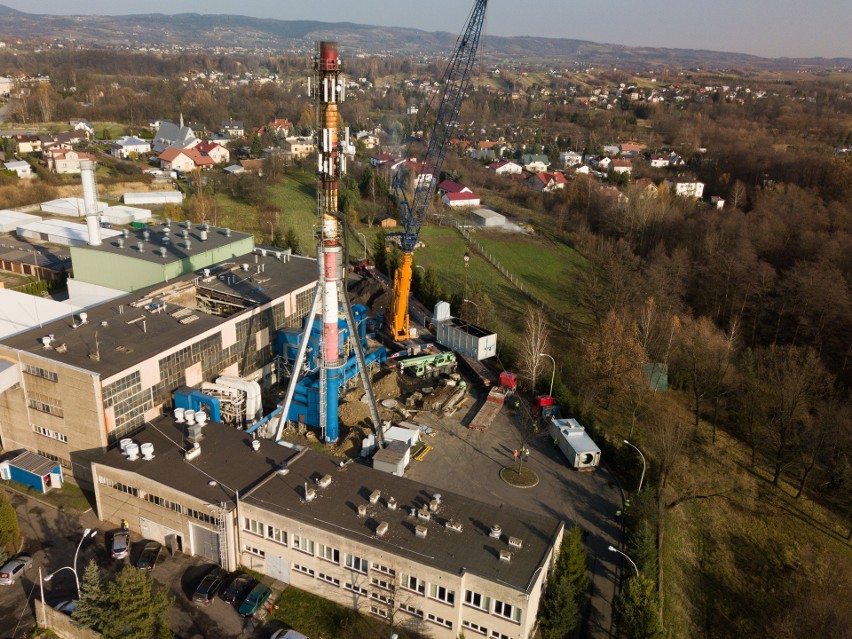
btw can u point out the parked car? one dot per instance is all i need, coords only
(208, 587)
(120, 545)
(288, 634)
(254, 600)
(14, 568)
(67, 607)
(238, 588)
(148, 557)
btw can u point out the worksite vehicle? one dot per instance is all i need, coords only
(583, 454)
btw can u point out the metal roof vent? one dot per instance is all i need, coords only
(162, 251)
(187, 244)
(125, 232)
(516, 542)
(193, 452)
(185, 233)
(382, 529)
(146, 235)
(227, 232)
(454, 525)
(45, 341)
(147, 451)
(132, 451)
(391, 501)
(203, 236)
(123, 445)
(168, 221)
(505, 555)
(140, 246)
(310, 494)
(324, 481)
(255, 445)
(433, 505)
(187, 223)
(375, 496)
(424, 514)
(120, 242)
(205, 226)
(244, 266)
(496, 531)
(166, 239)
(420, 530)
(362, 510)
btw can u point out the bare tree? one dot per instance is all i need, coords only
(535, 340)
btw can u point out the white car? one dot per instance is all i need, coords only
(14, 568)
(287, 634)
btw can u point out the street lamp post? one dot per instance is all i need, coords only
(475, 305)
(632, 563)
(88, 533)
(642, 477)
(553, 374)
(365, 243)
(41, 587)
(271, 231)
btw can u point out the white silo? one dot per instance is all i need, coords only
(90, 201)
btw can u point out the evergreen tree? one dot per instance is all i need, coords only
(93, 607)
(9, 533)
(572, 562)
(643, 548)
(558, 612)
(637, 609)
(377, 250)
(291, 241)
(137, 612)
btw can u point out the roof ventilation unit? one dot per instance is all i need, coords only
(184, 233)
(244, 266)
(227, 232)
(168, 222)
(125, 233)
(189, 416)
(382, 529)
(45, 341)
(375, 496)
(120, 242)
(132, 451)
(179, 415)
(146, 235)
(193, 452)
(200, 417)
(147, 451)
(324, 481)
(362, 510)
(163, 251)
(505, 555)
(205, 226)
(187, 244)
(391, 501)
(433, 505)
(310, 493)
(187, 223)
(255, 445)
(203, 236)
(420, 530)
(424, 514)
(84, 318)
(165, 239)
(496, 531)
(516, 542)
(123, 445)
(456, 526)
(140, 246)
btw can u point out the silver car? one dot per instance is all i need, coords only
(14, 568)
(120, 545)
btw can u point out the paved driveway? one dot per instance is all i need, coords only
(469, 460)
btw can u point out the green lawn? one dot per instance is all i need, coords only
(297, 199)
(317, 617)
(69, 497)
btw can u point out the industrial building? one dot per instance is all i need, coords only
(59, 232)
(440, 564)
(83, 382)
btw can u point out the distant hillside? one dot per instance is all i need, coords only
(209, 31)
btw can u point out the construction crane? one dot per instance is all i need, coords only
(456, 84)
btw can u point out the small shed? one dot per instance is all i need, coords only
(393, 458)
(125, 214)
(33, 470)
(488, 218)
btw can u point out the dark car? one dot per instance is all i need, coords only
(120, 545)
(239, 587)
(254, 600)
(208, 587)
(148, 557)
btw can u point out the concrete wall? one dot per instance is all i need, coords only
(61, 624)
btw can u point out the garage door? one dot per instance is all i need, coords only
(205, 543)
(278, 568)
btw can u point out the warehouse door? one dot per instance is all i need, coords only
(152, 530)
(205, 543)
(278, 568)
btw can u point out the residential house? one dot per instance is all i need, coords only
(547, 181)
(620, 165)
(128, 146)
(658, 160)
(28, 143)
(279, 127)
(685, 187)
(368, 139)
(23, 169)
(170, 134)
(570, 158)
(718, 202)
(631, 148)
(611, 149)
(646, 188)
(84, 126)
(506, 167)
(7, 85)
(610, 192)
(448, 186)
(602, 163)
(535, 163)
(218, 153)
(183, 160)
(233, 129)
(299, 147)
(461, 199)
(383, 160)
(252, 166)
(65, 161)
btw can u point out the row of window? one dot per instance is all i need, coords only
(52, 434)
(158, 501)
(497, 607)
(482, 630)
(45, 404)
(65, 463)
(40, 372)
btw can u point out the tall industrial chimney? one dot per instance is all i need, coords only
(90, 201)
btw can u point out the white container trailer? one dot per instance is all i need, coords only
(574, 442)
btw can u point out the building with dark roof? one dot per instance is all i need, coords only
(439, 563)
(89, 379)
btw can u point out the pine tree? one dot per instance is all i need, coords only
(291, 241)
(559, 613)
(572, 563)
(93, 607)
(637, 609)
(137, 612)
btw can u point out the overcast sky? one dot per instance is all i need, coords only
(774, 28)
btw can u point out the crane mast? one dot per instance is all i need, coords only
(456, 84)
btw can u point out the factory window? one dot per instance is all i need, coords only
(52, 434)
(380, 597)
(304, 544)
(379, 612)
(276, 534)
(477, 600)
(106, 481)
(164, 503)
(507, 611)
(328, 553)
(45, 404)
(390, 572)
(499, 635)
(65, 463)
(356, 563)
(40, 372)
(334, 581)
(358, 590)
(411, 610)
(381, 583)
(414, 584)
(197, 514)
(442, 594)
(475, 627)
(257, 552)
(440, 621)
(253, 526)
(303, 569)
